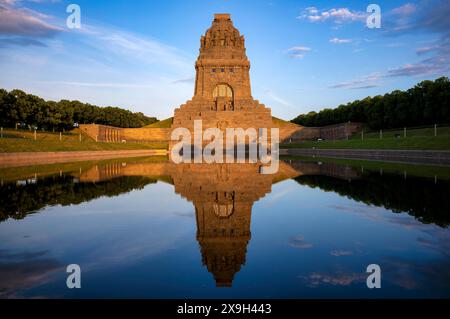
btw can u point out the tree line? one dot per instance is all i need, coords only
(18, 107)
(19, 201)
(427, 201)
(426, 103)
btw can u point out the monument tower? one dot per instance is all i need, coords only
(222, 96)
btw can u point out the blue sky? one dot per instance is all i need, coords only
(305, 55)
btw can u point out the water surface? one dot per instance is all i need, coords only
(152, 229)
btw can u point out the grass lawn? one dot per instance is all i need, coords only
(23, 141)
(167, 123)
(410, 132)
(412, 143)
(416, 139)
(281, 123)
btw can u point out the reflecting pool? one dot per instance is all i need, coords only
(148, 228)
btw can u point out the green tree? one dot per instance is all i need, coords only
(426, 103)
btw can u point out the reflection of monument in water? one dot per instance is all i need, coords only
(223, 196)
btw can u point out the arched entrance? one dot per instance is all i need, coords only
(223, 98)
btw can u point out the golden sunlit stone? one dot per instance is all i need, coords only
(222, 96)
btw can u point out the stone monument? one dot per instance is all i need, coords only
(222, 97)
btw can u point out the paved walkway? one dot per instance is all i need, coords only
(38, 158)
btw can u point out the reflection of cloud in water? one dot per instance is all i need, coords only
(21, 271)
(370, 212)
(429, 276)
(433, 276)
(339, 253)
(438, 240)
(379, 214)
(340, 278)
(299, 242)
(120, 249)
(434, 237)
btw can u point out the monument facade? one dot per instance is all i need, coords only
(222, 96)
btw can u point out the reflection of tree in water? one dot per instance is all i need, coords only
(427, 201)
(17, 201)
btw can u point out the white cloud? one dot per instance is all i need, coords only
(190, 79)
(300, 48)
(413, 69)
(105, 85)
(270, 95)
(337, 15)
(405, 9)
(395, 45)
(340, 41)
(438, 65)
(298, 52)
(134, 47)
(17, 21)
(427, 49)
(365, 82)
(312, 10)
